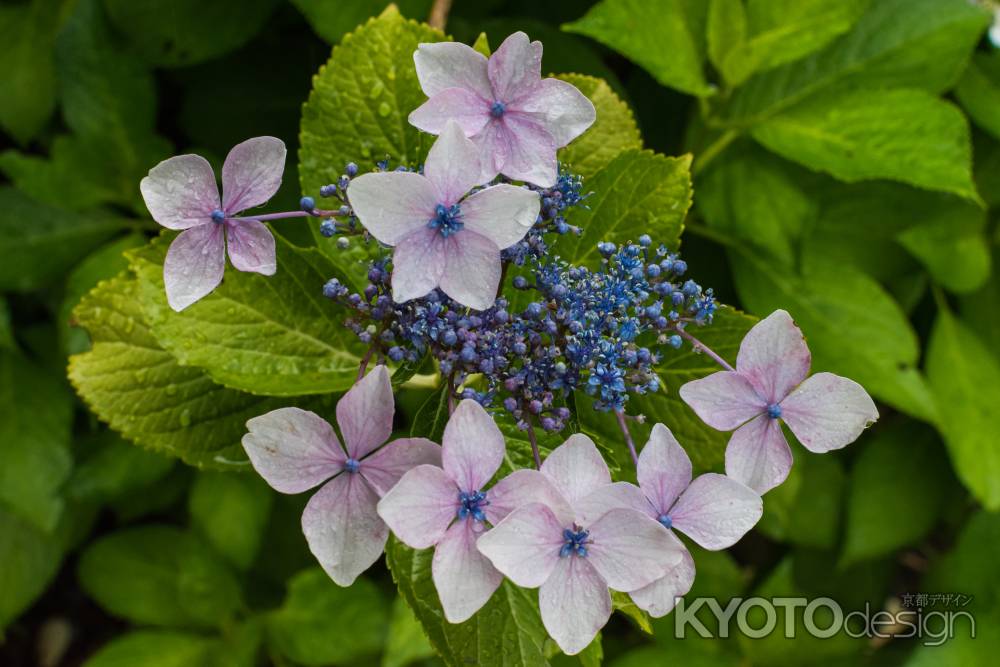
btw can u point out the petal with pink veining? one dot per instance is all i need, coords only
(421, 506)
(251, 247)
(532, 152)
(630, 550)
(559, 107)
(391, 205)
(472, 447)
(515, 66)
(664, 469)
(451, 65)
(180, 192)
(617, 495)
(364, 414)
(452, 165)
(576, 467)
(252, 173)
(827, 412)
(659, 597)
(724, 400)
(575, 604)
(470, 111)
(774, 356)
(195, 264)
(472, 269)
(716, 511)
(525, 545)
(494, 144)
(502, 213)
(523, 487)
(758, 454)
(386, 466)
(293, 449)
(418, 264)
(342, 528)
(465, 579)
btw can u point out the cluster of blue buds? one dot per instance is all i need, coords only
(346, 222)
(556, 204)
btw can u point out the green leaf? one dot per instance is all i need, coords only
(881, 350)
(979, 91)
(432, 415)
(405, 642)
(173, 33)
(35, 418)
(639, 192)
(317, 610)
(231, 510)
(272, 335)
(980, 310)
(140, 390)
(969, 567)
(961, 648)
(39, 242)
(665, 37)
(29, 559)
(897, 490)
(903, 135)
(727, 31)
(614, 130)
(332, 20)
(622, 603)
(965, 377)
(954, 250)
(805, 509)
(111, 468)
(7, 341)
(159, 575)
(507, 631)
(153, 648)
(482, 45)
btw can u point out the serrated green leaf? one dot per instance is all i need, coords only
(902, 135)
(666, 37)
(622, 603)
(614, 130)
(140, 390)
(331, 20)
(979, 91)
(159, 575)
(271, 335)
(109, 468)
(231, 510)
(805, 509)
(639, 192)
(317, 610)
(29, 559)
(506, 632)
(153, 648)
(965, 377)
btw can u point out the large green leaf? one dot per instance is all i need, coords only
(331, 20)
(614, 130)
(979, 91)
(29, 559)
(506, 632)
(666, 37)
(805, 509)
(272, 335)
(230, 510)
(406, 641)
(903, 135)
(965, 376)
(140, 390)
(108, 467)
(158, 648)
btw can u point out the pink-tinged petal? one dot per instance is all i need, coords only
(342, 528)
(392, 204)
(420, 506)
(774, 356)
(385, 467)
(577, 468)
(452, 165)
(451, 65)
(723, 400)
(293, 449)
(472, 270)
(502, 213)
(659, 598)
(716, 511)
(525, 545)
(195, 264)
(523, 487)
(575, 604)
(559, 107)
(180, 192)
(531, 155)
(758, 454)
(364, 414)
(827, 412)
(472, 447)
(470, 111)
(494, 145)
(516, 66)
(251, 247)
(630, 550)
(418, 264)
(664, 469)
(252, 173)
(619, 495)
(464, 578)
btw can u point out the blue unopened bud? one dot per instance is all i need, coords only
(351, 169)
(327, 228)
(307, 204)
(645, 241)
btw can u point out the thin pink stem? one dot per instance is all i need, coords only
(289, 214)
(698, 345)
(620, 415)
(534, 445)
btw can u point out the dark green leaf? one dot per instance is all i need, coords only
(29, 560)
(805, 509)
(406, 641)
(331, 20)
(153, 648)
(110, 468)
(231, 510)
(979, 91)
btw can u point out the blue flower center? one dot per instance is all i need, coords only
(471, 503)
(665, 520)
(447, 220)
(497, 109)
(774, 411)
(352, 465)
(218, 216)
(574, 542)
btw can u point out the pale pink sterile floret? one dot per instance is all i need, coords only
(443, 235)
(181, 194)
(824, 411)
(713, 510)
(582, 543)
(449, 507)
(516, 118)
(296, 450)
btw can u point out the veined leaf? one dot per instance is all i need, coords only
(613, 132)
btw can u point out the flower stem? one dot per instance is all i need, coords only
(363, 366)
(713, 150)
(620, 415)
(289, 214)
(534, 445)
(439, 14)
(698, 345)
